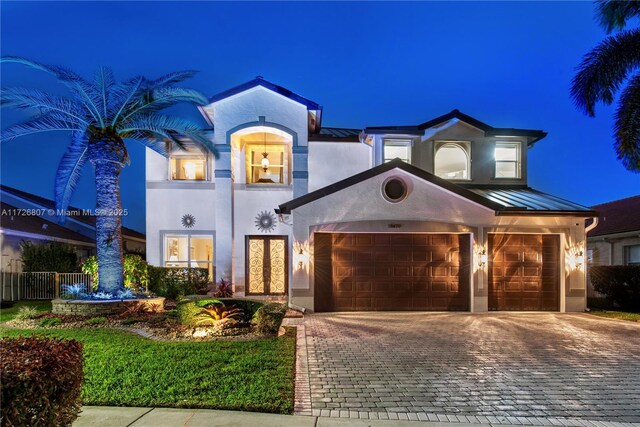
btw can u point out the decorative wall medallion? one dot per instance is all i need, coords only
(265, 222)
(188, 221)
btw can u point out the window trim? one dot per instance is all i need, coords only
(465, 146)
(187, 156)
(627, 255)
(397, 142)
(164, 234)
(286, 166)
(518, 160)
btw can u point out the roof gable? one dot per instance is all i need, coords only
(260, 81)
(526, 202)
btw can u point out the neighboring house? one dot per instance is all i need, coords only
(436, 216)
(616, 238)
(26, 216)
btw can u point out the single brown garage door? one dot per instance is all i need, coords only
(391, 272)
(524, 272)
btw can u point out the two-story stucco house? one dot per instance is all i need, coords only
(436, 216)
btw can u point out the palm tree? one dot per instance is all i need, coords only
(100, 115)
(606, 69)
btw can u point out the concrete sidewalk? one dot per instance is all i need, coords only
(109, 416)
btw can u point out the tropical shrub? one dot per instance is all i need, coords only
(214, 311)
(40, 381)
(268, 318)
(187, 312)
(53, 256)
(73, 291)
(171, 282)
(620, 284)
(224, 289)
(26, 313)
(48, 322)
(136, 274)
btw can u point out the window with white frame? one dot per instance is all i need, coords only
(189, 250)
(632, 255)
(452, 160)
(267, 164)
(190, 167)
(507, 155)
(397, 148)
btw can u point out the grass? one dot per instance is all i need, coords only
(622, 315)
(9, 313)
(124, 369)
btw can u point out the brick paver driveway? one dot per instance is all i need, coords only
(520, 368)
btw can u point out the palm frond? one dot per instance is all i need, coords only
(104, 82)
(69, 169)
(168, 125)
(85, 90)
(172, 78)
(124, 95)
(48, 123)
(604, 69)
(627, 126)
(160, 143)
(33, 99)
(614, 14)
(159, 99)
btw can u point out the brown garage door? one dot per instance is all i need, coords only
(524, 272)
(391, 272)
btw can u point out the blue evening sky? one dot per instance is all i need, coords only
(508, 64)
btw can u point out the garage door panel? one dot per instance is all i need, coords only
(524, 272)
(396, 272)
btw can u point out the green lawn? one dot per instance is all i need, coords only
(10, 313)
(123, 369)
(622, 315)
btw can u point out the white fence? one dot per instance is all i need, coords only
(40, 285)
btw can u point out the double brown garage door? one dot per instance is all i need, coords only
(391, 272)
(356, 272)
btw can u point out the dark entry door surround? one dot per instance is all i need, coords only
(267, 265)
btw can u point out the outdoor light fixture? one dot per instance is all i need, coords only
(579, 259)
(301, 263)
(265, 161)
(482, 258)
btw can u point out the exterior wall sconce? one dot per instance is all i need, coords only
(301, 256)
(482, 258)
(579, 259)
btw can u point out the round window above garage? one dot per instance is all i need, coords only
(394, 189)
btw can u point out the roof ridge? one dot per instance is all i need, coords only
(616, 201)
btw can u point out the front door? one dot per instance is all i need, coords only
(267, 265)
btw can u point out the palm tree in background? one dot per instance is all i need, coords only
(611, 66)
(100, 115)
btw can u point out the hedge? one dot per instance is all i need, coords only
(40, 381)
(620, 284)
(269, 317)
(170, 282)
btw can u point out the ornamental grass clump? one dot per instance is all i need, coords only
(40, 381)
(26, 313)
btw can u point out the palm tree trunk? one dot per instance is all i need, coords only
(108, 226)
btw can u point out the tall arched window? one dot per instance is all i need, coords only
(452, 161)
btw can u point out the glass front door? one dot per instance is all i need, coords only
(267, 265)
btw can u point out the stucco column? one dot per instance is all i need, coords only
(224, 214)
(300, 173)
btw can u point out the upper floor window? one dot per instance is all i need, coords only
(507, 156)
(188, 167)
(452, 160)
(397, 148)
(632, 255)
(267, 164)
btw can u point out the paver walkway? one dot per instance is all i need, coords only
(520, 368)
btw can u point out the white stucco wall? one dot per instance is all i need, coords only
(330, 162)
(429, 208)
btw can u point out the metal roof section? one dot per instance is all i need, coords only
(511, 201)
(336, 134)
(260, 81)
(523, 200)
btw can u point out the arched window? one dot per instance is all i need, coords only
(452, 161)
